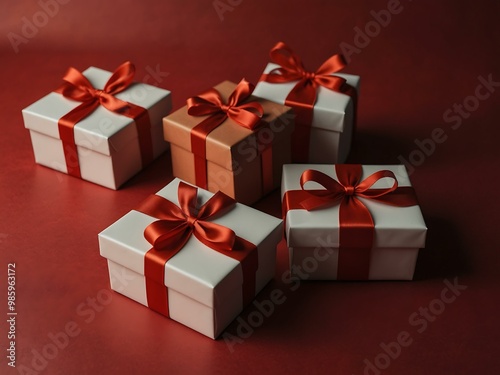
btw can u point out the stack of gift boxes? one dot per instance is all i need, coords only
(195, 251)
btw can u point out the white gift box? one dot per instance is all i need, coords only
(333, 114)
(204, 286)
(107, 143)
(313, 236)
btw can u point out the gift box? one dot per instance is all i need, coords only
(324, 102)
(193, 256)
(99, 126)
(351, 222)
(227, 140)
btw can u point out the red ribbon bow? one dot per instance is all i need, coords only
(303, 95)
(176, 225)
(356, 232)
(77, 87)
(210, 103)
(292, 69)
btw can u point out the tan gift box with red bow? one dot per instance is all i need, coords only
(244, 164)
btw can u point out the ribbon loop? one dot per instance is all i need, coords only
(207, 103)
(121, 78)
(283, 55)
(317, 199)
(364, 187)
(167, 234)
(76, 86)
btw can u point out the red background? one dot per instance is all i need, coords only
(427, 58)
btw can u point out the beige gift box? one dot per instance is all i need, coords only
(233, 153)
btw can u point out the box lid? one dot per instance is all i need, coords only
(395, 227)
(228, 144)
(330, 108)
(102, 131)
(196, 270)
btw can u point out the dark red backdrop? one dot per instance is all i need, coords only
(429, 56)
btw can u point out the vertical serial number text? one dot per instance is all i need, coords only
(11, 314)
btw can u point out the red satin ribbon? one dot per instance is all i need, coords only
(303, 95)
(356, 232)
(77, 87)
(211, 104)
(176, 225)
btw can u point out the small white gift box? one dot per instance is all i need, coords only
(204, 287)
(331, 129)
(314, 236)
(108, 147)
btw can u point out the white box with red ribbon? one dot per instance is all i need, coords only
(193, 256)
(351, 222)
(99, 126)
(324, 102)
